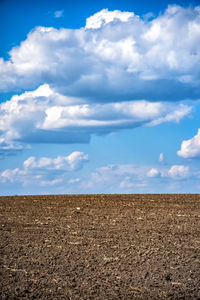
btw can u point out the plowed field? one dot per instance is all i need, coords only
(100, 247)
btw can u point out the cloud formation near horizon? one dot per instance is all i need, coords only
(134, 178)
(46, 170)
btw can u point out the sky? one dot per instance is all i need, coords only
(99, 97)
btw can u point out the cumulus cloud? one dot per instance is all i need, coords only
(72, 162)
(117, 56)
(46, 170)
(46, 116)
(179, 172)
(105, 16)
(11, 175)
(113, 178)
(118, 178)
(153, 173)
(127, 176)
(190, 148)
(119, 71)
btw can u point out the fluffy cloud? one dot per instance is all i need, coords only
(179, 172)
(12, 175)
(153, 173)
(190, 148)
(104, 17)
(45, 116)
(117, 56)
(72, 162)
(119, 71)
(46, 170)
(132, 178)
(131, 174)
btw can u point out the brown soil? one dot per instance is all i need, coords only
(100, 247)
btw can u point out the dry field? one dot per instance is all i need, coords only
(100, 247)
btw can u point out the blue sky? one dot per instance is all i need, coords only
(99, 97)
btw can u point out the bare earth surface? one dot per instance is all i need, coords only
(100, 247)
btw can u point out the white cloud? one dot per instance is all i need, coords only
(46, 170)
(190, 148)
(137, 179)
(46, 116)
(128, 178)
(153, 173)
(74, 180)
(118, 56)
(132, 178)
(179, 172)
(10, 174)
(174, 116)
(72, 162)
(105, 16)
(58, 14)
(119, 71)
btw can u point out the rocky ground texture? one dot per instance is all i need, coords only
(100, 247)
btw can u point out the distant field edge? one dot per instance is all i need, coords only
(100, 195)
